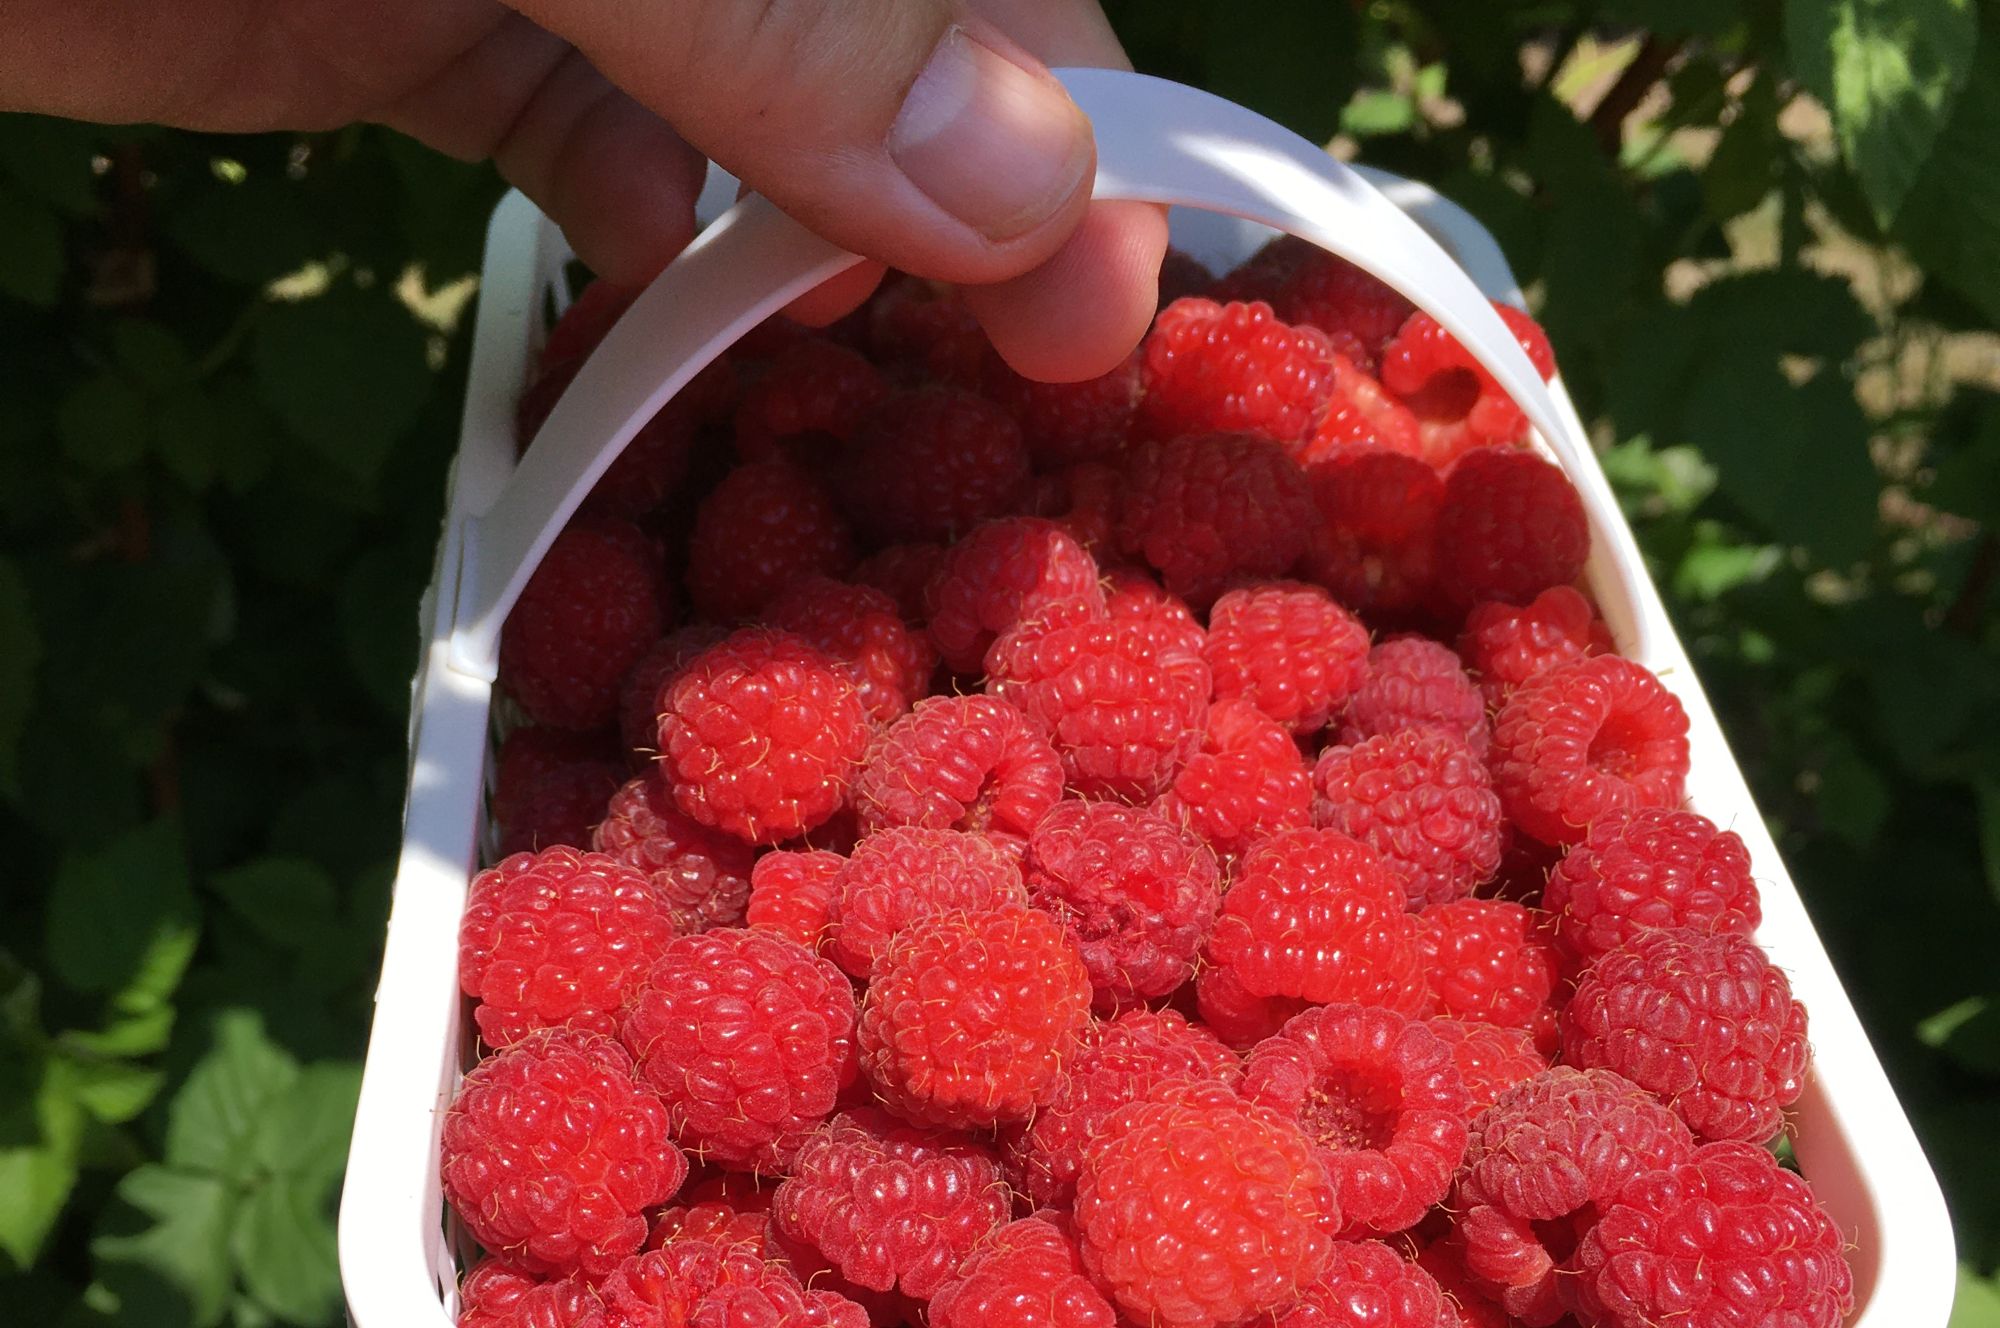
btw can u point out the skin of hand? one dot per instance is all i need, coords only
(926, 134)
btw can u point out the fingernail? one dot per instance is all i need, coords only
(996, 145)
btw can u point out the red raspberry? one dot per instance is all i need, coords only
(1196, 1208)
(590, 610)
(1246, 782)
(922, 329)
(715, 1219)
(1361, 414)
(1066, 422)
(701, 874)
(960, 763)
(1381, 1099)
(1507, 644)
(1510, 527)
(1367, 1285)
(639, 696)
(1726, 1237)
(557, 939)
(765, 528)
(550, 787)
(552, 1153)
(971, 1015)
(1119, 1061)
(1487, 960)
(1083, 500)
(761, 736)
(1003, 572)
(1289, 649)
(748, 1038)
(1027, 1274)
(902, 874)
(704, 1282)
(1182, 274)
(790, 894)
(497, 1294)
(1701, 1019)
(1650, 867)
(814, 394)
(588, 320)
(889, 1204)
(1233, 367)
(1377, 521)
(1490, 1058)
(1584, 740)
(1314, 915)
(1130, 593)
(1135, 892)
(1238, 1016)
(1122, 703)
(933, 463)
(902, 572)
(1414, 683)
(1204, 508)
(1459, 404)
(1423, 802)
(860, 625)
(1333, 295)
(1474, 1308)
(1538, 1164)
(1264, 273)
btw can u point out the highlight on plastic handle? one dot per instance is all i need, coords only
(1157, 142)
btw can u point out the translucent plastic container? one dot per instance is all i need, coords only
(1232, 177)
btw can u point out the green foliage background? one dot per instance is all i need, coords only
(231, 373)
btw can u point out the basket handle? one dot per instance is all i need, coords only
(1157, 142)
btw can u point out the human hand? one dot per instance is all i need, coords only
(925, 134)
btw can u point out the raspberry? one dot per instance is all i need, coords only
(902, 571)
(1584, 740)
(557, 939)
(1083, 500)
(1238, 1016)
(1066, 422)
(1328, 292)
(1490, 1058)
(1367, 1285)
(588, 320)
(897, 876)
(1246, 782)
(1360, 414)
(1260, 276)
(813, 394)
(765, 528)
(1203, 508)
(1507, 644)
(1459, 405)
(714, 1219)
(1003, 572)
(1027, 1274)
(1119, 1061)
(590, 610)
(1135, 892)
(790, 894)
(1132, 594)
(1382, 1101)
(1423, 802)
(1510, 527)
(891, 1206)
(924, 330)
(960, 763)
(1314, 915)
(1289, 649)
(1233, 367)
(931, 464)
(748, 1038)
(1726, 1237)
(1702, 1020)
(1182, 274)
(701, 874)
(1377, 520)
(639, 695)
(550, 787)
(1196, 1208)
(860, 625)
(496, 1294)
(1538, 1164)
(971, 1015)
(761, 736)
(552, 1153)
(1650, 867)
(1474, 1308)
(705, 1282)
(1122, 704)
(1414, 683)
(1487, 960)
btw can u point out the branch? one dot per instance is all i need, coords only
(1634, 82)
(1965, 612)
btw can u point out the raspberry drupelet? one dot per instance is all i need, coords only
(1510, 527)
(1069, 422)
(1083, 500)
(1413, 682)
(1372, 543)
(901, 571)
(1458, 404)
(1287, 648)
(860, 626)
(931, 464)
(812, 397)
(1490, 1058)
(767, 526)
(1246, 782)
(550, 787)
(496, 1294)
(1360, 414)
(702, 874)
(791, 893)
(1423, 802)
(1028, 1274)
(1650, 867)
(1506, 644)
(1326, 291)
(1368, 1285)
(971, 763)
(902, 874)
(1236, 367)
(592, 608)
(1489, 960)
(1204, 508)
(1002, 572)
(639, 695)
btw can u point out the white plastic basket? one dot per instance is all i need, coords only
(1233, 177)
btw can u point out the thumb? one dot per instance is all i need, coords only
(907, 130)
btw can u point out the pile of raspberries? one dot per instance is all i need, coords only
(1173, 850)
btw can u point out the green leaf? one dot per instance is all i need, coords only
(103, 424)
(1977, 1304)
(284, 1248)
(41, 1127)
(1889, 71)
(1716, 565)
(122, 916)
(289, 902)
(112, 1091)
(185, 431)
(150, 353)
(1677, 18)
(1986, 792)
(1293, 60)
(50, 159)
(345, 371)
(303, 1130)
(172, 1268)
(34, 267)
(248, 233)
(1968, 1032)
(20, 656)
(1377, 112)
(1951, 220)
(215, 1116)
(1744, 168)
